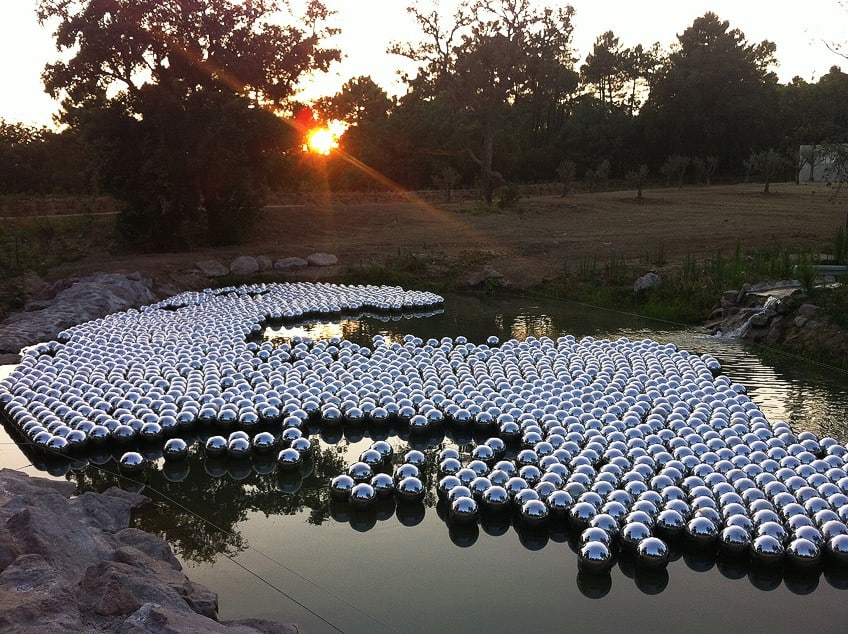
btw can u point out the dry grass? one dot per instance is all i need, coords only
(536, 240)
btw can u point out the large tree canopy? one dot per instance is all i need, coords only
(176, 95)
(490, 55)
(712, 96)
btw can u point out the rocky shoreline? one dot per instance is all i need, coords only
(72, 564)
(778, 314)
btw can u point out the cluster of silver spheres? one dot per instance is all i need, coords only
(150, 375)
(633, 443)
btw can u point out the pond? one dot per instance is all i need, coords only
(274, 545)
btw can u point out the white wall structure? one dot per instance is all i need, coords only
(828, 163)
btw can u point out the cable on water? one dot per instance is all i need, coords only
(231, 558)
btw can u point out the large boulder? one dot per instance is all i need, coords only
(264, 262)
(82, 300)
(244, 265)
(71, 564)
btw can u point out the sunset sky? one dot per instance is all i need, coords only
(800, 31)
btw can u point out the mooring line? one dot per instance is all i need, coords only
(231, 558)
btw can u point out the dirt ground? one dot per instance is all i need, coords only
(529, 243)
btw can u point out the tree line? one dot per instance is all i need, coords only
(184, 109)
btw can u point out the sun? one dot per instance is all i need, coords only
(324, 139)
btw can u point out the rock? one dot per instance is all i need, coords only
(36, 290)
(265, 263)
(648, 280)
(244, 265)
(808, 310)
(487, 273)
(71, 564)
(322, 259)
(290, 264)
(212, 268)
(154, 618)
(83, 300)
(10, 359)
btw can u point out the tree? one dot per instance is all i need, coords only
(175, 93)
(675, 167)
(767, 165)
(714, 95)
(566, 172)
(491, 55)
(637, 179)
(705, 168)
(605, 68)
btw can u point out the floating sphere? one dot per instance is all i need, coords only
(131, 463)
(652, 552)
(303, 446)
(263, 443)
(383, 485)
(410, 490)
(340, 487)
(767, 551)
(632, 534)
(802, 553)
(238, 448)
(701, 531)
(359, 471)
(446, 484)
(151, 432)
(534, 512)
(496, 499)
(837, 549)
(734, 540)
(216, 446)
(362, 495)
(580, 514)
(464, 510)
(594, 558)
(175, 449)
(289, 460)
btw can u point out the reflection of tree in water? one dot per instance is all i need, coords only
(199, 514)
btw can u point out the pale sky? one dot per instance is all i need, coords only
(368, 26)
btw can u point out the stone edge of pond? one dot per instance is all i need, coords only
(72, 564)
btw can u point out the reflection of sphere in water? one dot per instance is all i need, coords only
(593, 585)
